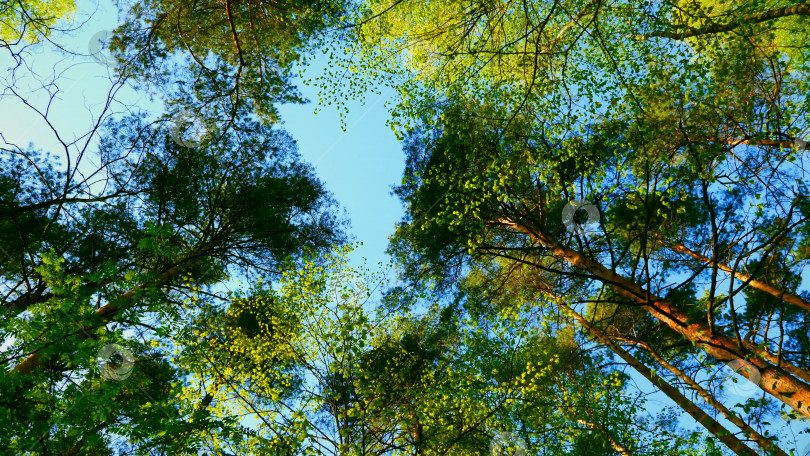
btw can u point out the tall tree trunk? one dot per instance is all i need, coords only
(416, 434)
(772, 378)
(104, 313)
(673, 393)
(573, 414)
(759, 285)
(752, 434)
(613, 443)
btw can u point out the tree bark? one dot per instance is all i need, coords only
(613, 443)
(752, 434)
(775, 380)
(105, 313)
(717, 429)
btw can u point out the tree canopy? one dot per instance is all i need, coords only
(606, 210)
(29, 21)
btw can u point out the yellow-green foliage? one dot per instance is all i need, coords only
(30, 20)
(312, 350)
(787, 35)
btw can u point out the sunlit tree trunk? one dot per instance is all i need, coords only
(673, 393)
(750, 432)
(759, 285)
(773, 379)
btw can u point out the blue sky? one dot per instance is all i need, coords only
(359, 165)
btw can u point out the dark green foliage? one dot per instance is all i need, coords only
(238, 200)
